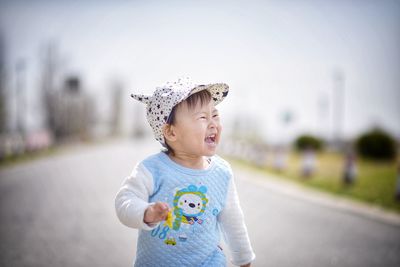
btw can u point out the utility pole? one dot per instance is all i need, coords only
(323, 115)
(3, 107)
(50, 70)
(21, 95)
(116, 108)
(338, 108)
(286, 118)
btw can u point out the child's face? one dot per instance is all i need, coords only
(197, 129)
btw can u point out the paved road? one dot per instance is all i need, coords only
(59, 211)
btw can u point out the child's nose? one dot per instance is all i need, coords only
(213, 123)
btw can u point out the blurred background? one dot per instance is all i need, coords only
(314, 85)
(324, 67)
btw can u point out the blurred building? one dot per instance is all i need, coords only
(71, 110)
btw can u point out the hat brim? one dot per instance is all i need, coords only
(218, 91)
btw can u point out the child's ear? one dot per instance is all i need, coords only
(169, 132)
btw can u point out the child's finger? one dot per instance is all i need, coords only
(160, 210)
(162, 205)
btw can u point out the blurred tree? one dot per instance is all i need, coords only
(376, 144)
(306, 141)
(50, 67)
(116, 107)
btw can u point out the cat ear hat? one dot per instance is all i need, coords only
(167, 96)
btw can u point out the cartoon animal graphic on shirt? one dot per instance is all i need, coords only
(188, 205)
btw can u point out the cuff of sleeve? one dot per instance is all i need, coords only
(147, 226)
(240, 258)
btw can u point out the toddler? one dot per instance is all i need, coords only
(183, 198)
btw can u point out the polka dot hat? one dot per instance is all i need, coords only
(165, 97)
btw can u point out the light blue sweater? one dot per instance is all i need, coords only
(190, 236)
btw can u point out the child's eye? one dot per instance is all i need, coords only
(215, 115)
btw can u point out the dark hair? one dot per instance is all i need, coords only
(203, 96)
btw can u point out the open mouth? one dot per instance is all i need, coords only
(211, 139)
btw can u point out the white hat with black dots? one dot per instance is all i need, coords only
(166, 97)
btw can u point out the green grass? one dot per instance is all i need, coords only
(375, 182)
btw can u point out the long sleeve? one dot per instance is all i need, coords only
(131, 200)
(234, 230)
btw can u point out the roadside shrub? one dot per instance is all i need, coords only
(308, 141)
(376, 144)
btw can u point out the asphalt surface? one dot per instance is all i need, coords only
(59, 211)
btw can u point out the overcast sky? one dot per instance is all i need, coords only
(276, 56)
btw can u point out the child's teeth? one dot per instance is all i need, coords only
(210, 138)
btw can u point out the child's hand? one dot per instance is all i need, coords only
(156, 213)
